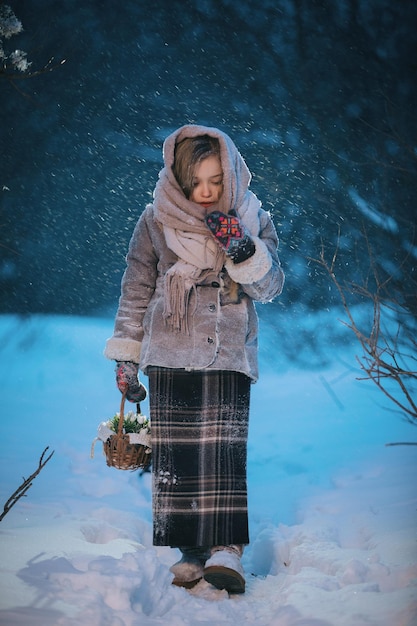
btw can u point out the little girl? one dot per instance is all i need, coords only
(199, 257)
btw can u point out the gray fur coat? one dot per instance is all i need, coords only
(223, 327)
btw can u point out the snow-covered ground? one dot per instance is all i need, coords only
(332, 509)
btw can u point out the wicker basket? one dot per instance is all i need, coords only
(122, 454)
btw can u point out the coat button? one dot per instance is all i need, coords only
(210, 340)
(212, 307)
(215, 284)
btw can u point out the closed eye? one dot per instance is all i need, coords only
(212, 181)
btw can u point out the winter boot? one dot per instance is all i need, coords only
(190, 569)
(224, 569)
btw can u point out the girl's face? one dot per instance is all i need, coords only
(207, 182)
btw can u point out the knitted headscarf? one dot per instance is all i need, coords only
(183, 221)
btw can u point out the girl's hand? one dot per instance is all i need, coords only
(231, 235)
(127, 375)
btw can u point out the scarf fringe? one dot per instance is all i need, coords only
(179, 287)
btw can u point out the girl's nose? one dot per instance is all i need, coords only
(205, 190)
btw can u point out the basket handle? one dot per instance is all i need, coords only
(122, 408)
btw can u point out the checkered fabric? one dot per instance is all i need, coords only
(199, 441)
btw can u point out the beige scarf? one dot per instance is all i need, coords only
(188, 236)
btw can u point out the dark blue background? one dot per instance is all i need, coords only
(320, 98)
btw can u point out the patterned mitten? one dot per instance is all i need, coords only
(231, 235)
(127, 375)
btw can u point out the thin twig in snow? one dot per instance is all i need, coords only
(26, 484)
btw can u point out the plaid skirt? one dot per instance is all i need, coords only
(199, 448)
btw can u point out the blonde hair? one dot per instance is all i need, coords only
(188, 153)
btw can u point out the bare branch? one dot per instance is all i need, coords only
(13, 75)
(384, 358)
(402, 443)
(26, 484)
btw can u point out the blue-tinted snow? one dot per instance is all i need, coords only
(332, 509)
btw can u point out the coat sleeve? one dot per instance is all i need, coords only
(137, 288)
(261, 276)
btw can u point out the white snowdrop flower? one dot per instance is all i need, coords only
(141, 419)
